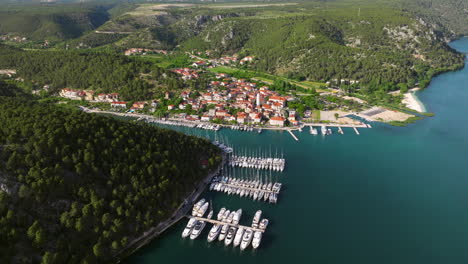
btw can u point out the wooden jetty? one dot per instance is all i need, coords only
(355, 129)
(292, 134)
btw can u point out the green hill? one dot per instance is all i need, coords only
(52, 22)
(372, 45)
(379, 44)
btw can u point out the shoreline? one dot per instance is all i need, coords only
(274, 128)
(412, 101)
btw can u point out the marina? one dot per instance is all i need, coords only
(366, 225)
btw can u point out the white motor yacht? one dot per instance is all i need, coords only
(188, 229)
(214, 232)
(257, 239)
(246, 239)
(197, 229)
(238, 237)
(230, 235)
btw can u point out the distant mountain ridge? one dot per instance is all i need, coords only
(41, 21)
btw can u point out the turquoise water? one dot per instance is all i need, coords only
(390, 195)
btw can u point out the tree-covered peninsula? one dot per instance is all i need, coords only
(77, 187)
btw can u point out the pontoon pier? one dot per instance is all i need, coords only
(217, 222)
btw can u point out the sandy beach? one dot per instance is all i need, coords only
(412, 102)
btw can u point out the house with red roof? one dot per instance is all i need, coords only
(277, 121)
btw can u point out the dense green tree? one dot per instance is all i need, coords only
(84, 178)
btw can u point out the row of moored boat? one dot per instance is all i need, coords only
(275, 164)
(213, 127)
(255, 190)
(226, 227)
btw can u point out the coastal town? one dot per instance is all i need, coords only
(232, 101)
(226, 100)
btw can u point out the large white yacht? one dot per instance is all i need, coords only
(230, 235)
(257, 239)
(238, 237)
(246, 239)
(188, 229)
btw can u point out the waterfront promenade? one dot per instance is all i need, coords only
(183, 121)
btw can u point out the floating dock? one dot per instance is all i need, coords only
(217, 222)
(355, 130)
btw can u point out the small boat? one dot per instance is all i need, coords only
(246, 239)
(210, 214)
(313, 131)
(237, 216)
(324, 130)
(255, 195)
(238, 237)
(221, 213)
(230, 217)
(203, 209)
(188, 229)
(260, 195)
(263, 224)
(225, 216)
(256, 218)
(197, 206)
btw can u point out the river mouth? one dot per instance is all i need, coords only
(390, 195)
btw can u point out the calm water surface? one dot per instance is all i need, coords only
(390, 195)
